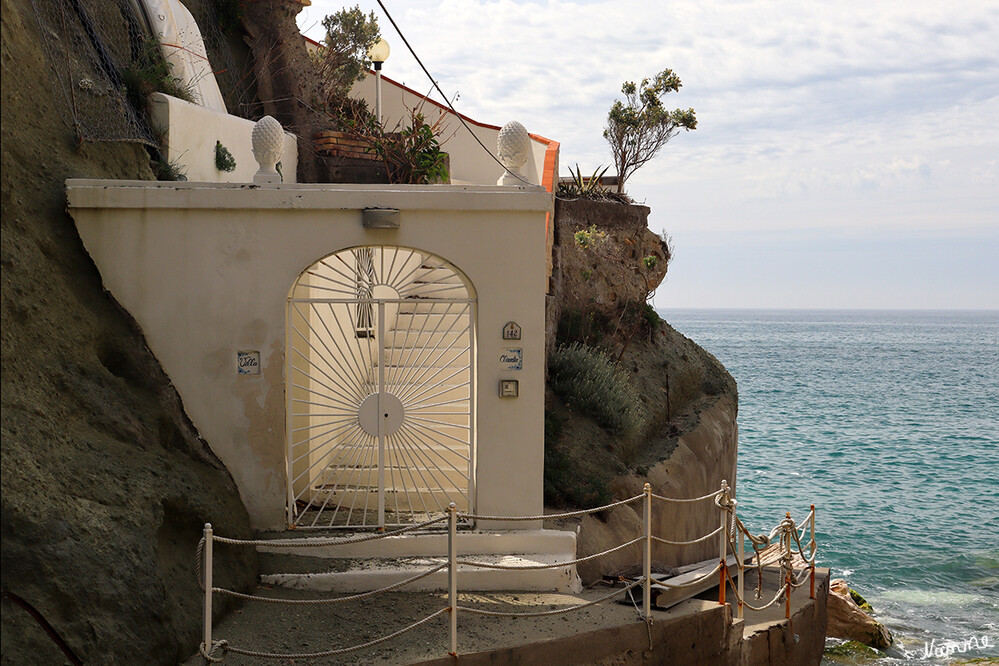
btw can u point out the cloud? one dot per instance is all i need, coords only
(854, 114)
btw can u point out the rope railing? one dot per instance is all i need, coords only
(707, 536)
(557, 611)
(786, 537)
(330, 600)
(685, 500)
(551, 516)
(556, 565)
(225, 647)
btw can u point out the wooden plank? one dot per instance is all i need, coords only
(665, 594)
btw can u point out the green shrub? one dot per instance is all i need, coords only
(149, 72)
(583, 188)
(224, 161)
(569, 486)
(585, 327)
(589, 237)
(589, 382)
(165, 169)
(651, 317)
(413, 155)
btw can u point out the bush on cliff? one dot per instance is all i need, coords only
(590, 382)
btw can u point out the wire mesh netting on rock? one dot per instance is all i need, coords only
(94, 50)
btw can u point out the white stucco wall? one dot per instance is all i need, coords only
(205, 269)
(190, 132)
(469, 162)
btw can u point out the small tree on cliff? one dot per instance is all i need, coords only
(637, 129)
(343, 55)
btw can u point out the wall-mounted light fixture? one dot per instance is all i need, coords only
(380, 218)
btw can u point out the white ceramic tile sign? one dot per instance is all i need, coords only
(512, 359)
(248, 362)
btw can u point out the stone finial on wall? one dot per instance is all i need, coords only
(268, 144)
(513, 146)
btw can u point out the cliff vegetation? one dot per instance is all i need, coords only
(630, 400)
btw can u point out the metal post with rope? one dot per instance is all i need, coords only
(811, 548)
(206, 646)
(647, 557)
(785, 536)
(452, 577)
(723, 504)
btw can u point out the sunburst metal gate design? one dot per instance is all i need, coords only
(380, 390)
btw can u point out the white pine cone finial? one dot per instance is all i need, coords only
(268, 145)
(513, 147)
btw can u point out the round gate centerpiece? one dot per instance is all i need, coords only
(381, 407)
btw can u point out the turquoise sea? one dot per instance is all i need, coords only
(889, 422)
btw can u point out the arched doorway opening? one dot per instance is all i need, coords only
(380, 384)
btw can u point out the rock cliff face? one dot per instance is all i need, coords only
(105, 483)
(688, 441)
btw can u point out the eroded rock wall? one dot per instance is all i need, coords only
(702, 457)
(105, 483)
(688, 401)
(622, 263)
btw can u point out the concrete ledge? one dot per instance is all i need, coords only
(559, 542)
(144, 194)
(376, 574)
(700, 633)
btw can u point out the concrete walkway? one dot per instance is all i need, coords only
(695, 631)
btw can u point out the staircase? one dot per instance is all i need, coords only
(371, 565)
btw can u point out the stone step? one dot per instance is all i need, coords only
(415, 306)
(420, 478)
(426, 543)
(368, 565)
(416, 339)
(452, 455)
(356, 504)
(429, 322)
(434, 275)
(405, 383)
(426, 357)
(372, 574)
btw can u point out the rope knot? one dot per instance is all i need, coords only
(222, 645)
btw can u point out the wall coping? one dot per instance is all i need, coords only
(123, 194)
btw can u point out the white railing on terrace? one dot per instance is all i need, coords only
(786, 538)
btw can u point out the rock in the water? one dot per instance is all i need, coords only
(851, 652)
(847, 620)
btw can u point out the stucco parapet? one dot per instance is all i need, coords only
(109, 194)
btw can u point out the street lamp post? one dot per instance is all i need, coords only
(379, 53)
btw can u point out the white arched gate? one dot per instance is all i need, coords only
(380, 370)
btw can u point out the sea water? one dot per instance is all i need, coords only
(889, 423)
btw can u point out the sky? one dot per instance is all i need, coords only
(845, 155)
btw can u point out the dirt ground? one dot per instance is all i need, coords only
(303, 629)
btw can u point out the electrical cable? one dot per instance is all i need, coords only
(446, 100)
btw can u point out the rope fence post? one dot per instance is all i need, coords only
(742, 559)
(811, 553)
(208, 589)
(647, 559)
(452, 577)
(789, 569)
(722, 539)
